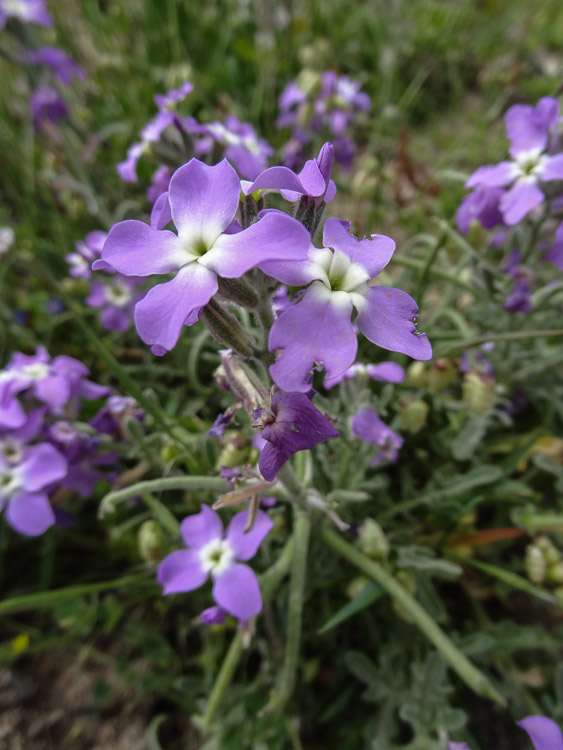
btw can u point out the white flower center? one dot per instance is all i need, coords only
(216, 556)
(529, 165)
(17, 8)
(35, 371)
(6, 239)
(10, 481)
(118, 294)
(11, 450)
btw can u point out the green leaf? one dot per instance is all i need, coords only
(368, 595)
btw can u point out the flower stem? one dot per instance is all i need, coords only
(472, 676)
(269, 583)
(282, 692)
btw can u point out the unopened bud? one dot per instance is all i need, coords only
(413, 415)
(371, 539)
(417, 375)
(550, 552)
(442, 373)
(356, 586)
(535, 564)
(151, 542)
(555, 573)
(226, 329)
(478, 391)
(247, 390)
(238, 291)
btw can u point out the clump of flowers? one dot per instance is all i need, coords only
(324, 106)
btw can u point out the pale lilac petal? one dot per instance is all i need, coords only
(42, 465)
(527, 127)
(386, 372)
(544, 733)
(283, 178)
(276, 236)
(553, 169)
(54, 390)
(181, 571)
(12, 415)
(30, 514)
(316, 330)
(161, 214)
(237, 591)
(245, 546)
(388, 322)
(520, 200)
(159, 317)
(201, 528)
(372, 254)
(495, 175)
(135, 249)
(204, 199)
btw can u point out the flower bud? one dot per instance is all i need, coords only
(478, 391)
(551, 554)
(238, 291)
(151, 542)
(442, 373)
(356, 586)
(416, 375)
(535, 564)
(226, 329)
(555, 573)
(371, 539)
(413, 415)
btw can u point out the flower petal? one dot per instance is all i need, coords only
(553, 168)
(276, 236)
(493, 175)
(388, 322)
(520, 200)
(12, 415)
(181, 571)
(245, 545)
(42, 465)
(161, 214)
(237, 591)
(317, 329)
(30, 513)
(135, 249)
(386, 372)
(201, 528)
(159, 317)
(527, 127)
(544, 733)
(372, 254)
(204, 199)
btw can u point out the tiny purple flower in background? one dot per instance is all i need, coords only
(151, 133)
(22, 487)
(528, 131)
(248, 153)
(519, 299)
(47, 106)
(544, 734)
(211, 552)
(203, 203)
(160, 182)
(291, 424)
(213, 616)
(318, 329)
(116, 297)
(369, 427)
(386, 372)
(7, 239)
(86, 252)
(63, 66)
(26, 11)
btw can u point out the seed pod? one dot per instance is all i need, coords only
(151, 542)
(478, 392)
(371, 539)
(413, 415)
(535, 564)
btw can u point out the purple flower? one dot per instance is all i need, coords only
(481, 205)
(555, 253)
(47, 106)
(26, 11)
(160, 182)
(386, 372)
(528, 131)
(203, 204)
(319, 330)
(213, 616)
(211, 552)
(369, 427)
(151, 133)
(171, 98)
(313, 181)
(63, 66)
(22, 487)
(81, 260)
(243, 148)
(291, 424)
(116, 297)
(519, 299)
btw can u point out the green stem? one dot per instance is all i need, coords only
(509, 336)
(472, 676)
(284, 689)
(418, 265)
(292, 484)
(269, 583)
(214, 484)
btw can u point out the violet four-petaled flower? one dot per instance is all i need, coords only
(211, 552)
(528, 130)
(63, 66)
(291, 424)
(26, 11)
(319, 330)
(203, 203)
(368, 426)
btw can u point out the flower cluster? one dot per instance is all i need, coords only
(45, 452)
(25, 11)
(114, 295)
(325, 105)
